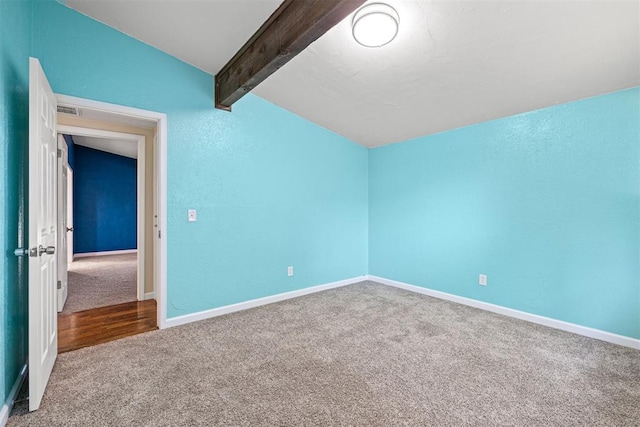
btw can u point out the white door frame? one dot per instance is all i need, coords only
(62, 251)
(69, 214)
(160, 163)
(140, 174)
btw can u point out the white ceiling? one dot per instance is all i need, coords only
(113, 146)
(203, 33)
(458, 63)
(454, 63)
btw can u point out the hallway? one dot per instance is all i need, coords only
(102, 303)
(101, 281)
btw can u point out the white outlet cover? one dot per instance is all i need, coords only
(192, 215)
(482, 279)
(289, 271)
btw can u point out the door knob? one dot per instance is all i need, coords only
(69, 228)
(33, 252)
(49, 250)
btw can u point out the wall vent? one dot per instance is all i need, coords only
(69, 110)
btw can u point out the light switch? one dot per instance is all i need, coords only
(192, 215)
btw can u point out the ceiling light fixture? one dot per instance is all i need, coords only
(375, 24)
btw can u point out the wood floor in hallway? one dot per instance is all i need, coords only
(104, 324)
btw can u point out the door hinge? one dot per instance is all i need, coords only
(159, 234)
(59, 284)
(59, 151)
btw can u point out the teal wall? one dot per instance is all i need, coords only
(271, 189)
(15, 45)
(546, 203)
(105, 201)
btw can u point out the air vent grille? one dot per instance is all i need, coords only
(68, 110)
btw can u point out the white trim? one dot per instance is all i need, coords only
(69, 214)
(141, 214)
(62, 241)
(103, 253)
(161, 232)
(194, 317)
(533, 318)
(73, 101)
(161, 255)
(149, 295)
(8, 404)
(160, 282)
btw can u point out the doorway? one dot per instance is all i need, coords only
(110, 212)
(113, 270)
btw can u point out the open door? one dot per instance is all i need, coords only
(63, 177)
(43, 325)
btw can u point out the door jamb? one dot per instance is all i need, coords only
(62, 231)
(160, 163)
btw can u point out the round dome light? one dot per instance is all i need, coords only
(375, 24)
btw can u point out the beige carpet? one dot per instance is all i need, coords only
(100, 281)
(362, 355)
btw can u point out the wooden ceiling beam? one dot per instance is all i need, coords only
(288, 31)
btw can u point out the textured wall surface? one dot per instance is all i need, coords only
(545, 203)
(15, 45)
(105, 209)
(271, 189)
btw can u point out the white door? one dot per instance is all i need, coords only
(63, 176)
(43, 325)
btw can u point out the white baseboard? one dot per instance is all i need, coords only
(149, 295)
(8, 404)
(534, 318)
(88, 254)
(188, 318)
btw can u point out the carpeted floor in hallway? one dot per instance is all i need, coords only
(100, 281)
(362, 355)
